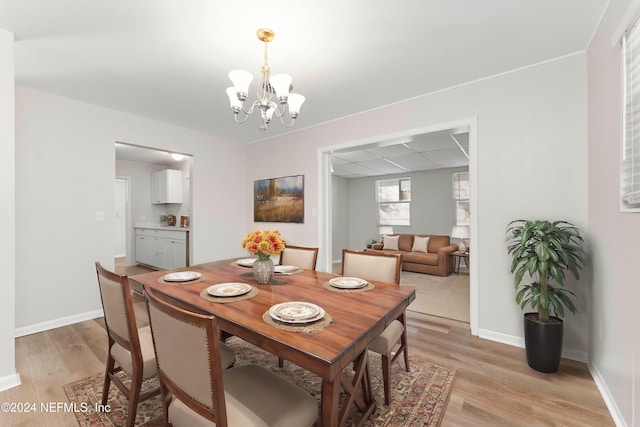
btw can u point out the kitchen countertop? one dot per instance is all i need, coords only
(161, 227)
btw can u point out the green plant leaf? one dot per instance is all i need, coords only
(546, 251)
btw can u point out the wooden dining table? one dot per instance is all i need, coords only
(357, 318)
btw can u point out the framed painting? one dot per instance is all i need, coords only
(279, 199)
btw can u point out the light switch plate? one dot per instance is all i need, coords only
(99, 215)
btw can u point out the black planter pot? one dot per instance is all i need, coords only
(543, 342)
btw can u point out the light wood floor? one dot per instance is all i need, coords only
(493, 385)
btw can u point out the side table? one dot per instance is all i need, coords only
(460, 255)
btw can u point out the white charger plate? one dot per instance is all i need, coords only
(296, 312)
(182, 276)
(228, 289)
(285, 268)
(246, 262)
(348, 282)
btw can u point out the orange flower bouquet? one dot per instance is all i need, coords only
(264, 243)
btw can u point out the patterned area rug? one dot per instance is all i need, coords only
(419, 397)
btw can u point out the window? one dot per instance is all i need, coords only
(394, 201)
(461, 191)
(630, 152)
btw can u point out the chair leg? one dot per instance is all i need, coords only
(134, 395)
(107, 379)
(406, 350)
(386, 374)
(280, 362)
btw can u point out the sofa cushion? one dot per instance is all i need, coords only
(390, 243)
(405, 242)
(420, 244)
(437, 242)
(420, 258)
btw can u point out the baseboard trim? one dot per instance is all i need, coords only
(601, 384)
(10, 381)
(501, 338)
(56, 323)
(516, 341)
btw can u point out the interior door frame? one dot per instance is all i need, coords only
(325, 197)
(127, 220)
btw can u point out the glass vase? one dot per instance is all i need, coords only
(263, 270)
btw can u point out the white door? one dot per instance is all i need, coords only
(120, 249)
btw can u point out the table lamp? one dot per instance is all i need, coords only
(384, 229)
(461, 232)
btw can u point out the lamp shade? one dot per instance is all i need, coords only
(460, 232)
(241, 80)
(385, 229)
(295, 102)
(234, 102)
(281, 83)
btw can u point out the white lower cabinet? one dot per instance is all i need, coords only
(163, 249)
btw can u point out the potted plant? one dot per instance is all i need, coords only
(545, 251)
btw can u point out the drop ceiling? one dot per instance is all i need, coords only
(168, 60)
(437, 150)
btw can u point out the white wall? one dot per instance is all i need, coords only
(531, 162)
(65, 172)
(615, 345)
(8, 375)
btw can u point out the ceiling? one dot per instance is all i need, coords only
(168, 60)
(436, 150)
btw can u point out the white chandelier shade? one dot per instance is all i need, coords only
(277, 85)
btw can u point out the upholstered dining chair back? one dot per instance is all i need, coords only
(300, 256)
(130, 347)
(196, 388)
(371, 265)
(385, 268)
(187, 348)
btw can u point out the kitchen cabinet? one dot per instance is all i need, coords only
(175, 250)
(166, 187)
(161, 248)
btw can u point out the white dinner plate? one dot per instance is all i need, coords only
(182, 276)
(285, 268)
(296, 312)
(228, 289)
(348, 282)
(246, 262)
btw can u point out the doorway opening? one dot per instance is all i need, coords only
(328, 201)
(136, 165)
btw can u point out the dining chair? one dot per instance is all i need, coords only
(130, 347)
(300, 256)
(198, 392)
(382, 267)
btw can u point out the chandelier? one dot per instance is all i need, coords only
(277, 85)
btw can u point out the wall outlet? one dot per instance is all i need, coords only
(99, 215)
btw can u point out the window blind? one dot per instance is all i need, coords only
(394, 201)
(630, 153)
(461, 194)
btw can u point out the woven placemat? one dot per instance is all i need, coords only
(190, 282)
(305, 327)
(365, 288)
(252, 293)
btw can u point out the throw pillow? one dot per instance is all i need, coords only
(390, 242)
(420, 244)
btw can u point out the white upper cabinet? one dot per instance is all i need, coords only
(166, 187)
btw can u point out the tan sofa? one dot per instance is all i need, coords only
(437, 260)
